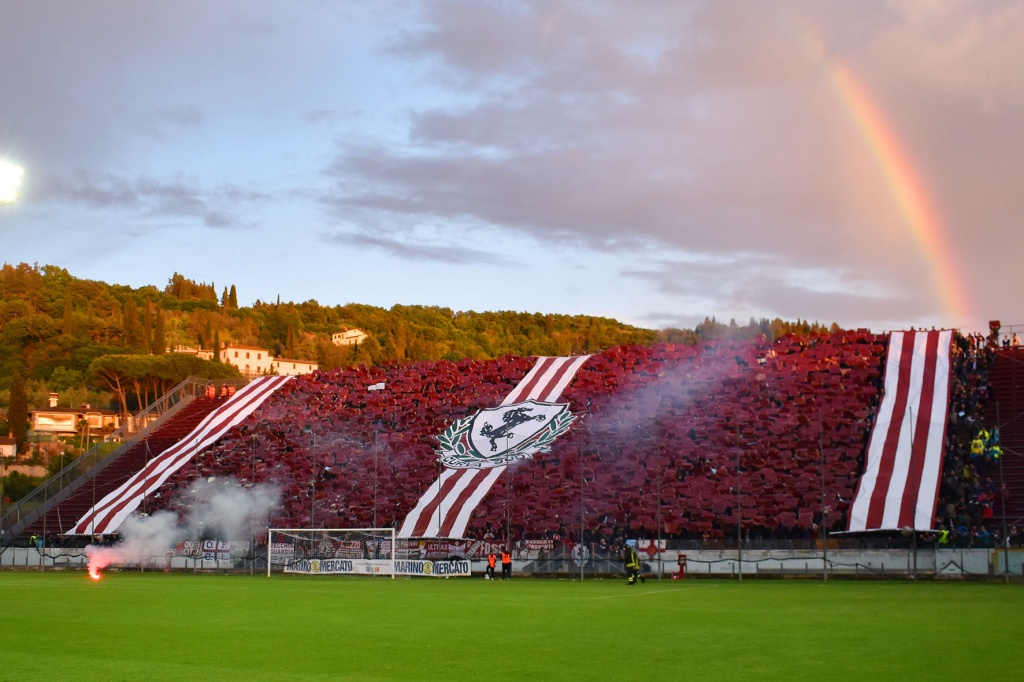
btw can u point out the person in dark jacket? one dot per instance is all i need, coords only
(632, 564)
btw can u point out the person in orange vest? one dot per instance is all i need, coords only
(506, 564)
(491, 561)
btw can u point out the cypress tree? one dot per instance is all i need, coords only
(133, 332)
(147, 328)
(17, 412)
(159, 334)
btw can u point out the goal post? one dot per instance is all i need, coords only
(331, 551)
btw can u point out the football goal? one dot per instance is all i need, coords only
(331, 551)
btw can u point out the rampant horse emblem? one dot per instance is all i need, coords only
(510, 419)
(507, 434)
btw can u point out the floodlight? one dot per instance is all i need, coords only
(10, 182)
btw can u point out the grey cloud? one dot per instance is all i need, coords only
(594, 143)
(416, 251)
(150, 197)
(182, 116)
(319, 116)
(575, 195)
(218, 219)
(237, 193)
(753, 285)
(104, 190)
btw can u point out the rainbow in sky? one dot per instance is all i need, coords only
(900, 174)
(909, 191)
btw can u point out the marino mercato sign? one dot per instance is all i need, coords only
(454, 567)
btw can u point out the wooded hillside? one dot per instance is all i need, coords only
(54, 327)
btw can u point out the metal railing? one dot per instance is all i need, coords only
(62, 484)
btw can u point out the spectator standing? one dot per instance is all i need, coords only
(506, 564)
(491, 561)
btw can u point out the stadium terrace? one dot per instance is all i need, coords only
(826, 441)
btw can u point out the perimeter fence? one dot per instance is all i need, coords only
(573, 564)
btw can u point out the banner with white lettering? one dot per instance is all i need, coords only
(339, 566)
(438, 569)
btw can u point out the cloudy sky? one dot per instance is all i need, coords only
(652, 161)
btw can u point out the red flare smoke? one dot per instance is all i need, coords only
(99, 558)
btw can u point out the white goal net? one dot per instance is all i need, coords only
(331, 551)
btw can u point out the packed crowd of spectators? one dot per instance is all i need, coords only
(681, 442)
(969, 492)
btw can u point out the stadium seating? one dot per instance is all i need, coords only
(687, 434)
(62, 517)
(694, 437)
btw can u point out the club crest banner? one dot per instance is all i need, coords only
(499, 436)
(476, 450)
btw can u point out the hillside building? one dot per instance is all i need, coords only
(348, 337)
(251, 361)
(69, 420)
(286, 367)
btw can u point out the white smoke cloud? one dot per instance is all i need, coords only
(224, 509)
(674, 390)
(221, 508)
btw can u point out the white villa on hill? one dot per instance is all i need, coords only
(253, 361)
(285, 367)
(348, 337)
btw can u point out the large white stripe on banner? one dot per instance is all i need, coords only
(858, 510)
(446, 506)
(899, 487)
(484, 487)
(900, 458)
(931, 473)
(108, 514)
(458, 480)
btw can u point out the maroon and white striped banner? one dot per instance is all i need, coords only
(108, 514)
(900, 484)
(445, 508)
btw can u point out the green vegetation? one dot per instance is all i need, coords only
(156, 626)
(147, 377)
(53, 325)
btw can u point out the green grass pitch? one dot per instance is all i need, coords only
(155, 626)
